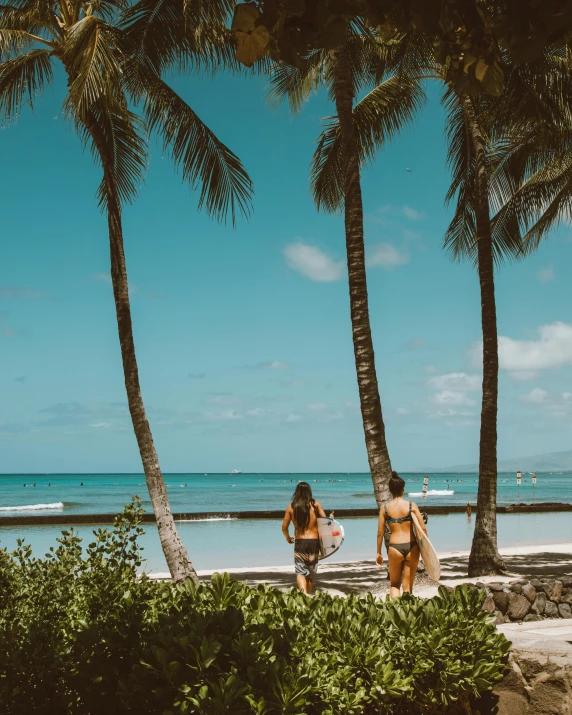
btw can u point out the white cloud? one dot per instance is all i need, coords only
(317, 406)
(413, 214)
(567, 395)
(331, 416)
(223, 416)
(457, 381)
(256, 412)
(224, 399)
(102, 425)
(271, 365)
(293, 418)
(451, 398)
(275, 365)
(546, 274)
(103, 277)
(387, 256)
(402, 411)
(313, 263)
(524, 358)
(536, 396)
(294, 383)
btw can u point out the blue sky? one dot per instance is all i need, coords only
(243, 337)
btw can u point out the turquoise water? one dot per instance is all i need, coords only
(107, 493)
(243, 543)
(240, 543)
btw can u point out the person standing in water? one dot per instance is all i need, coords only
(303, 513)
(403, 551)
(469, 509)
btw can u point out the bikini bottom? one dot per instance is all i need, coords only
(404, 549)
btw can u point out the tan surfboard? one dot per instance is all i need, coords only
(428, 553)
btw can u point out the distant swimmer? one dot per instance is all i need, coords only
(81, 485)
(409, 170)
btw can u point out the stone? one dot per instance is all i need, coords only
(501, 600)
(480, 585)
(495, 586)
(518, 606)
(532, 617)
(564, 610)
(499, 618)
(566, 596)
(539, 604)
(529, 591)
(518, 582)
(551, 610)
(516, 587)
(489, 605)
(567, 581)
(553, 589)
(535, 582)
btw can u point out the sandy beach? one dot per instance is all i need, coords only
(534, 561)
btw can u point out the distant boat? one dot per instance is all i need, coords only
(236, 471)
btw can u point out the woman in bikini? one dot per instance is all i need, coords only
(303, 513)
(403, 552)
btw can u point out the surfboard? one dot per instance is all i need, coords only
(331, 535)
(428, 553)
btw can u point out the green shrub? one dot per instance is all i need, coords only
(81, 633)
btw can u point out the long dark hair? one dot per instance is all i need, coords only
(302, 501)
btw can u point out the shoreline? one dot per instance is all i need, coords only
(451, 561)
(70, 519)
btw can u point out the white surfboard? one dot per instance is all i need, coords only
(428, 553)
(331, 535)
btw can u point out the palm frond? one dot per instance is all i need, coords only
(92, 53)
(116, 137)
(295, 85)
(378, 117)
(204, 160)
(22, 78)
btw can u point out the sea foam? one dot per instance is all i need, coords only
(432, 493)
(54, 506)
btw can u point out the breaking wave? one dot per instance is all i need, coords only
(432, 493)
(54, 506)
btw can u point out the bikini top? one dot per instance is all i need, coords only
(397, 520)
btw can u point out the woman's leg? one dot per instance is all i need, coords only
(410, 569)
(396, 562)
(301, 582)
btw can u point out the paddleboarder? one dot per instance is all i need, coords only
(302, 512)
(403, 551)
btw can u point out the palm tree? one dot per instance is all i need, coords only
(493, 143)
(344, 70)
(86, 38)
(477, 127)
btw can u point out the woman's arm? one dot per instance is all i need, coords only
(380, 534)
(419, 517)
(285, 525)
(319, 509)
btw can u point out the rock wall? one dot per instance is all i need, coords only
(528, 600)
(534, 684)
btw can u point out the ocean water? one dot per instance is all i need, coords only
(241, 543)
(107, 493)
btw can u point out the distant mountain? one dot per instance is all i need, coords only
(551, 462)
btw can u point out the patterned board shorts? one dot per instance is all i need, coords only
(306, 553)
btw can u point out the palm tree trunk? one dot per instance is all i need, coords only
(176, 556)
(374, 429)
(485, 558)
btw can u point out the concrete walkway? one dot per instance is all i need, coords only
(550, 636)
